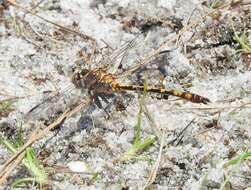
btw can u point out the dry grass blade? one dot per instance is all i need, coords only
(156, 166)
(7, 172)
(180, 136)
(244, 105)
(13, 161)
(154, 126)
(37, 4)
(55, 24)
(221, 108)
(146, 59)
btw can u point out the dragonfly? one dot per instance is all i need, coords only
(102, 83)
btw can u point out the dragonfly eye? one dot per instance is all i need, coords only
(83, 72)
(78, 77)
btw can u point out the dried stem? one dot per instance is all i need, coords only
(14, 160)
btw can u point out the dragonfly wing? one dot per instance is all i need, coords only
(119, 56)
(52, 105)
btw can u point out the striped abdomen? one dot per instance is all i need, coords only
(166, 92)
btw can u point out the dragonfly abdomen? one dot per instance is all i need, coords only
(166, 92)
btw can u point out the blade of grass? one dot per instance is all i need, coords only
(136, 148)
(6, 106)
(156, 166)
(16, 158)
(139, 118)
(138, 145)
(242, 40)
(244, 156)
(23, 181)
(215, 4)
(236, 162)
(30, 162)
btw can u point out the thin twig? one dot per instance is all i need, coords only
(55, 24)
(32, 42)
(148, 58)
(156, 166)
(6, 173)
(8, 166)
(153, 124)
(245, 105)
(181, 134)
(37, 4)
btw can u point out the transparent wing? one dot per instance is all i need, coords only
(53, 104)
(111, 63)
(115, 60)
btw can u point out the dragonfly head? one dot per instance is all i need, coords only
(78, 77)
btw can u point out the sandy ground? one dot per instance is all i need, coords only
(37, 58)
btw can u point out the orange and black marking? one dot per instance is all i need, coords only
(101, 84)
(167, 92)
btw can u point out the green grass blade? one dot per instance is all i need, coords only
(244, 156)
(138, 145)
(30, 162)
